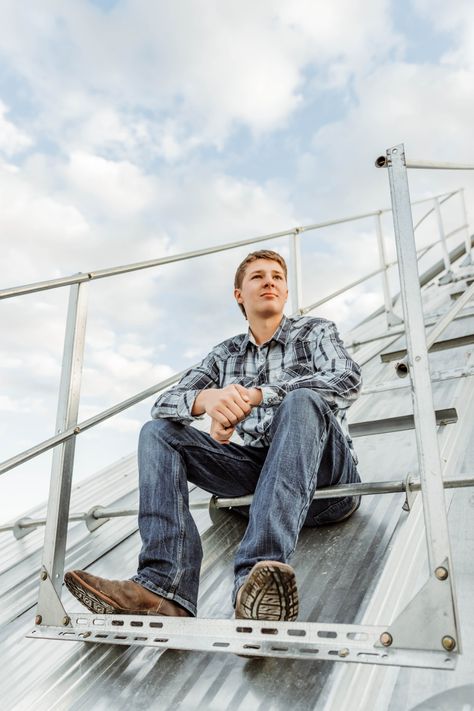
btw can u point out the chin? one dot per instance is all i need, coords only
(269, 312)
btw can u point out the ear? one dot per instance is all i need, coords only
(238, 296)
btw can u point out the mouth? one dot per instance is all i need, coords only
(268, 293)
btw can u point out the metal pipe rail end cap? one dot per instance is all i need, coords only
(401, 368)
(381, 162)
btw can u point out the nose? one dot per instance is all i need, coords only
(269, 280)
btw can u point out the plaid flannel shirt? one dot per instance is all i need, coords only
(304, 352)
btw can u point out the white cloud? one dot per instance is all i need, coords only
(210, 65)
(457, 19)
(116, 162)
(12, 139)
(116, 187)
(37, 227)
(428, 108)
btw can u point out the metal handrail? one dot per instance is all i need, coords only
(52, 442)
(67, 434)
(383, 162)
(402, 366)
(421, 253)
(136, 266)
(400, 331)
(400, 486)
(432, 209)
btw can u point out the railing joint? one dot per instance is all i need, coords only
(93, 518)
(410, 494)
(20, 530)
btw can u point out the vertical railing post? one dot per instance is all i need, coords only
(446, 278)
(50, 610)
(468, 258)
(296, 288)
(429, 461)
(392, 318)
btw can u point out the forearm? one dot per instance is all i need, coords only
(341, 388)
(174, 404)
(199, 404)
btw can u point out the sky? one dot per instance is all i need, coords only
(131, 130)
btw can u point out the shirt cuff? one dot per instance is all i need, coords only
(185, 406)
(270, 396)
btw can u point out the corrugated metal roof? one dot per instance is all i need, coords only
(337, 569)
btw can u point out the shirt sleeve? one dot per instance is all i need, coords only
(332, 373)
(177, 402)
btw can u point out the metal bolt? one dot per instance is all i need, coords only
(344, 652)
(38, 620)
(86, 634)
(448, 643)
(418, 358)
(386, 639)
(76, 430)
(441, 573)
(44, 575)
(66, 620)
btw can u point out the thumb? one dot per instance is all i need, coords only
(243, 392)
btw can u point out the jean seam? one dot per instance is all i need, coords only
(167, 594)
(179, 567)
(305, 508)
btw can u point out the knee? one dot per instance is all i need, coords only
(157, 429)
(306, 400)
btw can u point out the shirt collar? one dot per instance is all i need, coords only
(281, 335)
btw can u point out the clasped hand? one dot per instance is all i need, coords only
(226, 407)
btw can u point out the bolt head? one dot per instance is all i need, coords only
(44, 575)
(66, 620)
(38, 620)
(344, 652)
(386, 639)
(448, 643)
(441, 573)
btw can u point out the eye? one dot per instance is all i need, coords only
(277, 276)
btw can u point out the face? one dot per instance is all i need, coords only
(264, 290)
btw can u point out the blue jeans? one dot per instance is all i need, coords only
(307, 450)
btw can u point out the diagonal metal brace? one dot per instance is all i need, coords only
(428, 622)
(50, 610)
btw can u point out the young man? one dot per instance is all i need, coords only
(285, 387)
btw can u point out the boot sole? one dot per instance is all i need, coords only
(269, 593)
(88, 597)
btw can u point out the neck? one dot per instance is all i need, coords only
(264, 328)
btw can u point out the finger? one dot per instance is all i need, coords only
(238, 412)
(217, 427)
(231, 412)
(222, 435)
(219, 417)
(242, 398)
(243, 392)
